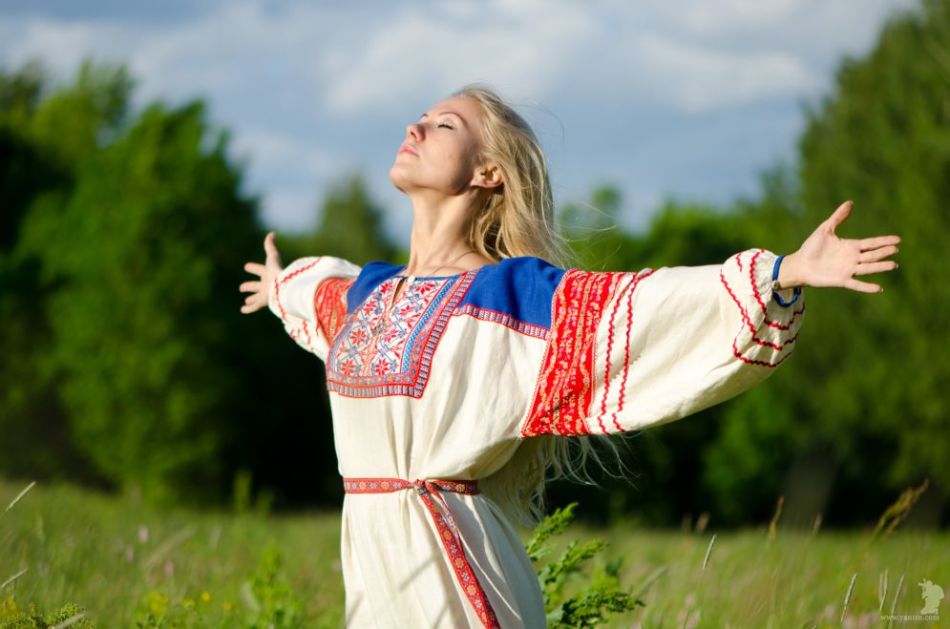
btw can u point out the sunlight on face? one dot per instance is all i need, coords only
(440, 151)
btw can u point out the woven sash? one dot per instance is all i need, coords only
(429, 492)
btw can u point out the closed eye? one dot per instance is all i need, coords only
(445, 125)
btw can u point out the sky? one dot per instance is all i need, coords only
(688, 99)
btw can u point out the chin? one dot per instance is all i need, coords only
(398, 178)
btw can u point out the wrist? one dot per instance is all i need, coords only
(788, 273)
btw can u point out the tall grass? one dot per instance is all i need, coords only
(117, 559)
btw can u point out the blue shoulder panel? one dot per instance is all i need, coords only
(521, 288)
(371, 275)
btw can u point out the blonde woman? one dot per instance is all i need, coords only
(455, 380)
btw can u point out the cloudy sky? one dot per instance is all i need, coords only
(689, 99)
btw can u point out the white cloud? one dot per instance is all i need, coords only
(287, 79)
(521, 47)
(289, 208)
(696, 79)
(278, 152)
(62, 45)
(718, 16)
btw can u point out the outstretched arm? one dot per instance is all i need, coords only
(824, 259)
(632, 350)
(309, 295)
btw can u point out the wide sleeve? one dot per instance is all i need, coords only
(631, 350)
(309, 296)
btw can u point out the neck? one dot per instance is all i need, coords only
(439, 236)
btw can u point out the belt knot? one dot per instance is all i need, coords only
(421, 486)
(429, 491)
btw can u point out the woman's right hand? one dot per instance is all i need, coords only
(268, 272)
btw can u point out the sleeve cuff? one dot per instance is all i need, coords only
(796, 291)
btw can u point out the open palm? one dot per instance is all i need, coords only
(268, 272)
(824, 259)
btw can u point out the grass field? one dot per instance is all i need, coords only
(120, 561)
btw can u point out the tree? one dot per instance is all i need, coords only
(877, 391)
(350, 226)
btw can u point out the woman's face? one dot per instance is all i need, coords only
(440, 151)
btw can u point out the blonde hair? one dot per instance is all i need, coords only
(518, 219)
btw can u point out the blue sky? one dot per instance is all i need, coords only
(689, 99)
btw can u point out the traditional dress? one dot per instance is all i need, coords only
(437, 390)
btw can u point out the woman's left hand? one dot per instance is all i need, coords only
(824, 259)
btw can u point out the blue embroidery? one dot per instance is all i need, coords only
(380, 353)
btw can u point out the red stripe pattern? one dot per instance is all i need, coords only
(329, 305)
(562, 398)
(484, 314)
(298, 329)
(630, 291)
(759, 323)
(585, 378)
(429, 491)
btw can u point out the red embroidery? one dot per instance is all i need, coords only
(748, 322)
(758, 296)
(750, 325)
(610, 346)
(429, 493)
(379, 352)
(284, 280)
(750, 361)
(626, 349)
(484, 314)
(562, 398)
(329, 305)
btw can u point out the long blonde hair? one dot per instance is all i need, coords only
(518, 219)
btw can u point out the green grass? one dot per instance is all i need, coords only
(116, 558)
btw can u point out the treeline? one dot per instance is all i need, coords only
(126, 362)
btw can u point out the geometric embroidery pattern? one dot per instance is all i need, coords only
(329, 305)
(383, 351)
(562, 399)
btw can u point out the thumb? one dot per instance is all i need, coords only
(273, 256)
(840, 214)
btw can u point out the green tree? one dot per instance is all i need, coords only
(865, 395)
(350, 226)
(876, 381)
(125, 269)
(33, 420)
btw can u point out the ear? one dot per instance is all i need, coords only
(487, 176)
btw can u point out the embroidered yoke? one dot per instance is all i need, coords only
(433, 395)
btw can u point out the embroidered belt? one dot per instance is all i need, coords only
(429, 491)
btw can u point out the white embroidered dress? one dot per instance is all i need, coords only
(462, 370)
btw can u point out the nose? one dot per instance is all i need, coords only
(414, 131)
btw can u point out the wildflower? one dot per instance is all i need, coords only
(205, 596)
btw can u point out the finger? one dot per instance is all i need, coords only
(837, 217)
(875, 267)
(863, 287)
(270, 248)
(254, 267)
(877, 254)
(879, 241)
(250, 287)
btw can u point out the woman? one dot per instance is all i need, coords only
(472, 363)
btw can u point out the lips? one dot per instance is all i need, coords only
(405, 148)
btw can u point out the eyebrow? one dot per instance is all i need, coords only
(451, 113)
